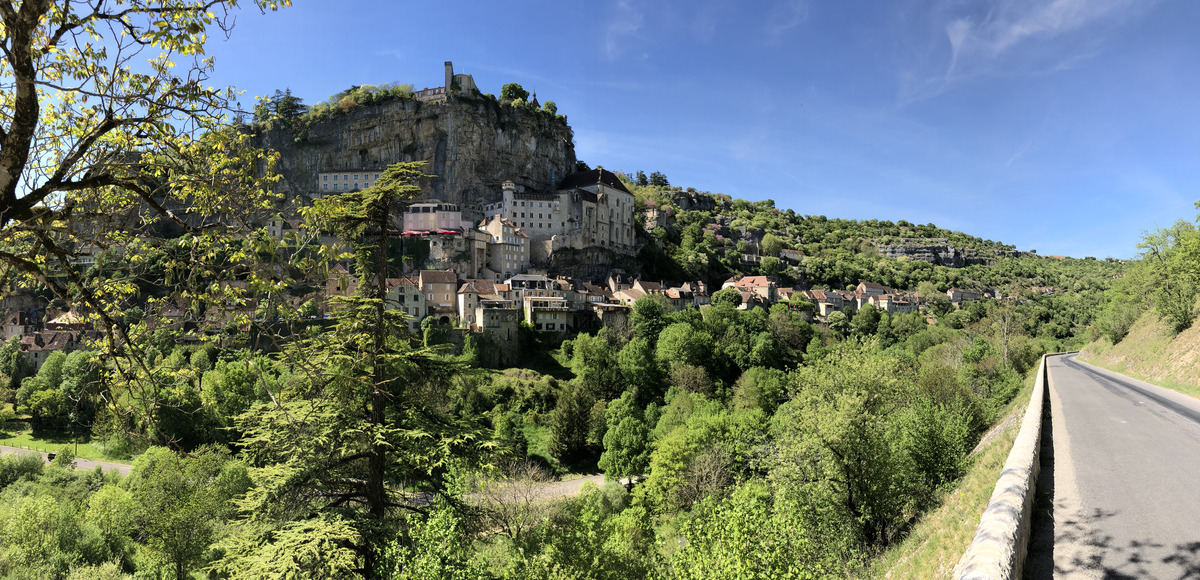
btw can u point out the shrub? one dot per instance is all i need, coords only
(13, 468)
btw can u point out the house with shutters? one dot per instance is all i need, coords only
(440, 288)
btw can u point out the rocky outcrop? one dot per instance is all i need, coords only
(657, 218)
(938, 254)
(693, 200)
(471, 144)
(589, 263)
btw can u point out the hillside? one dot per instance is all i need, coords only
(710, 236)
(1150, 352)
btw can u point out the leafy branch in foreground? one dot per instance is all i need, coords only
(111, 139)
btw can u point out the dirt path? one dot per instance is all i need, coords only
(568, 488)
(80, 464)
(532, 492)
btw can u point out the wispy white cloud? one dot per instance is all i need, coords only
(786, 16)
(622, 27)
(1018, 21)
(986, 43)
(1020, 152)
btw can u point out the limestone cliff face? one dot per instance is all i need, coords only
(471, 144)
(938, 254)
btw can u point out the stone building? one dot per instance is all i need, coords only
(440, 288)
(405, 294)
(37, 347)
(589, 209)
(499, 322)
(548, 313)
(472, 293)
(959, 295)
(508, 250)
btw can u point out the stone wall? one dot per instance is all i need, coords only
(998, 550)
(590, 263)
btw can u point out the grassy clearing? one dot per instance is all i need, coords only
(54, 442)
(1151, 353)
(936, 542)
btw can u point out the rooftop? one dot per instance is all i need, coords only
(597, 176)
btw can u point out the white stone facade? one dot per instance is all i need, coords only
(339, 181)
(589, 209)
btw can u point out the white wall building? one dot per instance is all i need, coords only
(433, 216)
(592, 208)
(508, 251)
(338, 181)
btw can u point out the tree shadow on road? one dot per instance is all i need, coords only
(1065, 543)
(1086, 552)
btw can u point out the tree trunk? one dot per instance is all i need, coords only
(376, 488)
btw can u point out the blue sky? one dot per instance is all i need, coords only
(1065, 126)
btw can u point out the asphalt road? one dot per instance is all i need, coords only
(1125, 479)
(80, 464)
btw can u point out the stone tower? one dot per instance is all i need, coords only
(449, 75)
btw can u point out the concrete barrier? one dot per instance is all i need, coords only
(998, 550)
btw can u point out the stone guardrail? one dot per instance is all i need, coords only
(1001, 540)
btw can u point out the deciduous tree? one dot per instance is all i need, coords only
(110, 131)
(727, 296)
(513, 92)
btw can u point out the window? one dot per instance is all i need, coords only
(356, 177)
(326, 177)
(376, 176)
(345, 177)
(334, 177)
(326, 186)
